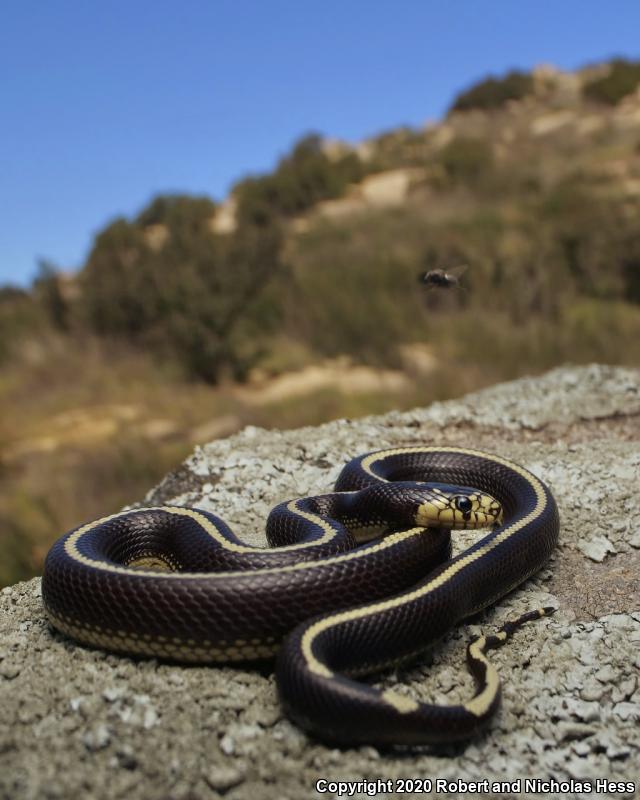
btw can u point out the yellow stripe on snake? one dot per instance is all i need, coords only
(355, 580)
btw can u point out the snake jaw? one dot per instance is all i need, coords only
(459, 507)
(489, 511)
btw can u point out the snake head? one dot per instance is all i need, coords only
(446, 506)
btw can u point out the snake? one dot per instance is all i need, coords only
(355, 581)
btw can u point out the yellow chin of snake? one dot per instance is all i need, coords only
(442, 511)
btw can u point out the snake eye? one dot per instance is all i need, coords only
(463, 504)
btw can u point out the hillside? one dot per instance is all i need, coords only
(297, 299)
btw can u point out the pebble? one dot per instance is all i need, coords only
(9, 670)
(627, 711)
(222, 778)
(574, 730)
(97, 738)
(597, 548)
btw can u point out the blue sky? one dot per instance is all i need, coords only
(103, 105)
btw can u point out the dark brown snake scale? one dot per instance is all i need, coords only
(176, 583)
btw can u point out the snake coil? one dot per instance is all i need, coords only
(332, 601)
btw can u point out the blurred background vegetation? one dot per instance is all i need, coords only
(298, 298)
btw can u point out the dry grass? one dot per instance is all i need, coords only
(93, 428)
(90, 428)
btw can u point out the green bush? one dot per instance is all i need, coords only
(20, 316)
(177, 210)
(631, 274)
(194, 298)
(494, 92)
(48, 292)
(466, 159)
(597, 238)
(300, 180)
(354, 288)
(401, 147)
(622, 79)
(115, 282)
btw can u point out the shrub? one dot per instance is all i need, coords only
(193, 298)
(466, 159)
(622, 79)
(48, 292)
(300, 180)
(20, 316)
(113, 281)
(167, 209)
(494, 92)
(631, 276)
(398, 148)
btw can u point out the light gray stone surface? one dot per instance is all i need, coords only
(81, 723)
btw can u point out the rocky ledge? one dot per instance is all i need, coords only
(80, 723)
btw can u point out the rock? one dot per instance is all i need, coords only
(223, 778)
(9, 670)
(627, 711)
(97, 737)
(575, 730)
(78, 723)
(596, 548)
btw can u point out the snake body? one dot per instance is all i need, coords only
(335, 603)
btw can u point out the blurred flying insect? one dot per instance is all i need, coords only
(444, 279)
